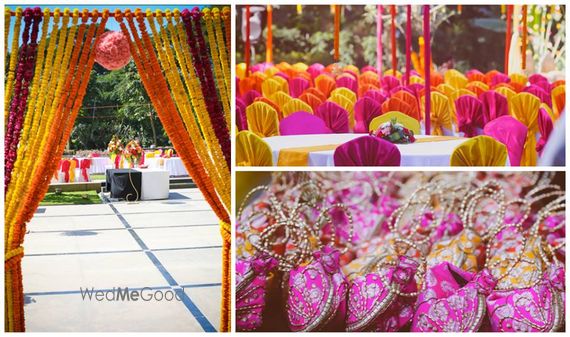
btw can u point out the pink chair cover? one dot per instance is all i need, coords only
(315, 70)
(510, 132)
(539, 92)
(297, 86)
(302, 123)
(283, 75)
(494, 105)
(416, 89)
(544, 85)
(500, 78)
(334, 116)
(365, 110)
(545, 127)
(261, 66)
(350, 72)
(367, 151)
(535, 78)
(389, 82)
(469, 115)
(85, 165)
(376, 95)
(241, 119)
(347, 82)
(250, 97)
(65, 169)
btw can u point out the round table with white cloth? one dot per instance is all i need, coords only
(174, 165)
(427, 153)
(98, 164)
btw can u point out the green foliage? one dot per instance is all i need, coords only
(116, 103)
(71, 198)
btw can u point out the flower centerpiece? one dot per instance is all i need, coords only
(133, 152)
(394, 132)
(115, 148)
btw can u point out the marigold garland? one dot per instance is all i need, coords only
(8, 90)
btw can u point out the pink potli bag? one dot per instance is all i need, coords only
(251, 287)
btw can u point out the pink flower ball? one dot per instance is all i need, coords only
(113, 51)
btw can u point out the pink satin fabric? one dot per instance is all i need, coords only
(347, 82)
(494, 105)
(302, 123)
(298, 86)
(469, 111)
(545, 127)
(367, 151)
(334, 116)
(510, 132)
(365, 110)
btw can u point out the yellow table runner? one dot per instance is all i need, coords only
(299, 156)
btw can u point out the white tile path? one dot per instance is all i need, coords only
(171, 245)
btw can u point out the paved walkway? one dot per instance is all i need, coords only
(164, 247)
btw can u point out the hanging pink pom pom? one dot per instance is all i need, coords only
(112, 50)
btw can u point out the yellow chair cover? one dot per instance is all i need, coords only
(260, 75)
(283, 66)
(525, 107)
(391, 73)
(270, 86)
(440, 113)
(416, 79)
(549, 111)
(72, 167)
(558, 95)
(518, 78)
(455, 79)
(262, 119)
(280, 98)
(347, 105)
(295, 105)
(299, 66)
(352, 68)
(283, 82)
(271, 71)
(251, 150)
(346, 93)
(149, 155)
(240, 70)
(477, 87)
(479, 151)
(408, 122)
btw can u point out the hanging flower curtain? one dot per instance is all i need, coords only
(185, 70)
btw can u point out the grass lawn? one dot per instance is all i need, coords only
(71, 198)
(94, 177)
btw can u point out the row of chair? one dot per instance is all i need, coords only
(73, 170)
(251, 150)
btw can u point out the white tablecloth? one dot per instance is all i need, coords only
(173, 165)
(154, 184)
(416, 154)
(99, 164)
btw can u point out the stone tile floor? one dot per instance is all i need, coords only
(165, 247)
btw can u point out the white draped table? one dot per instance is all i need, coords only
(435, 153)
(174, 165)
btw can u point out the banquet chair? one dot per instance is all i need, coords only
(549, 111)
(389, 82)
(300, 66)
(270, 103)
(84, 166)
(558, 99)
(519, 78)
(390, 72)
(508, 93)
(241, 119)
(262, 119)
(295, 105)
(479, 151)
(455, 79)
(408, 122)
(325, 84)
(280, 99)
(365, 110)
(397, 104)
(251, 150)
(540, 93)
(346, 93)
(282, 79)
(240, 70)
(441, 121)
(302, 123)
(298, 85)
(363, 89)
(376, 95)
(545, 127)
(416, 80)
(524, 107)
(271, 86)
(316, 92)
(367, 151)
(250, 83)
(347, 105)
(475, 75)
(370, 78)
(494, 105)
(313, 101)
(498, 78)
(65, 166)
(315, 69)
(544, 85)
(347, 82)
(73, 165)
(477, 87)
(271, 71)
(411, 100)
(510, 132)
(468, 110)
(334, 116)
(250, 96)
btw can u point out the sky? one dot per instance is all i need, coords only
(111, 23)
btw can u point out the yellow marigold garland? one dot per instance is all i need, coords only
(166, 57)
(223, 51)
(9, 89)
(7, 20)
